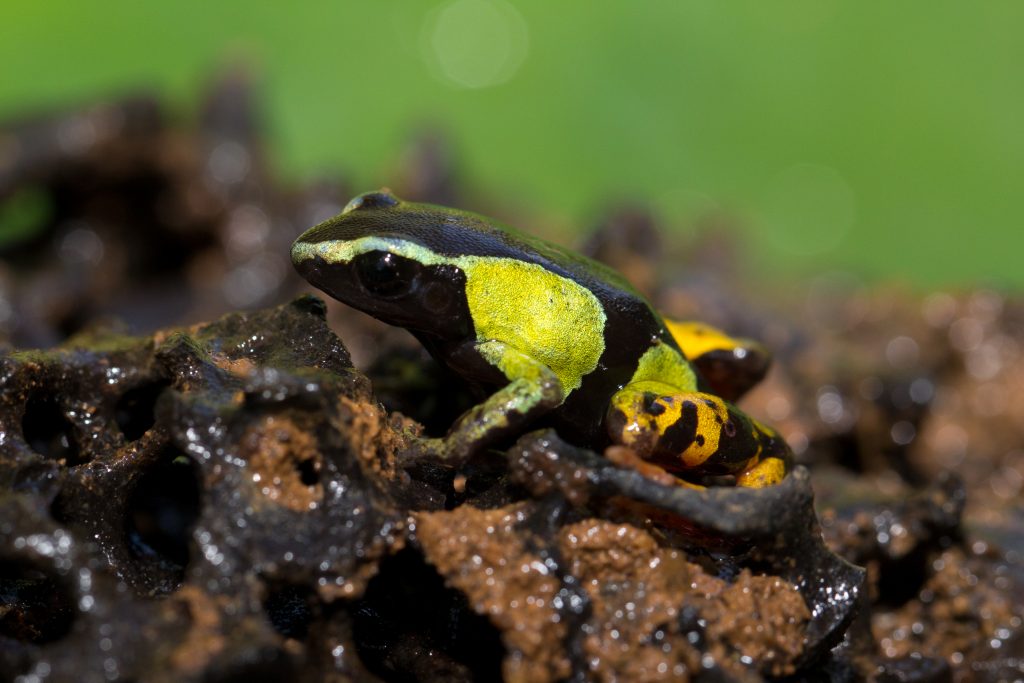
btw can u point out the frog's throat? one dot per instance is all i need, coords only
(551, 318)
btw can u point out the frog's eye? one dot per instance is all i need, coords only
(381, 199)
(385, 274)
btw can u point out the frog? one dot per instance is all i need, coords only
(547, 336)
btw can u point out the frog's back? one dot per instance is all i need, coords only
(453, 233)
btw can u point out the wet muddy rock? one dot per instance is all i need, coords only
(223, 498)
(210, 491)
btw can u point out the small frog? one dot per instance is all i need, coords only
(545, 332)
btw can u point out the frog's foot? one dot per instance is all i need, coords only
(696, 433)
(533, 390)
(730, 365)
(626, 457)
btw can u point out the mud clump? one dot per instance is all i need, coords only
(657, 611)
(285, 462)
(483, 554)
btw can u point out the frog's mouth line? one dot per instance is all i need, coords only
(333, 279)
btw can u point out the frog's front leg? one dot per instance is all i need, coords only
(696, 433)
(533, 390)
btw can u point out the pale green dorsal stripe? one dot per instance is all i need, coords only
(553, 319)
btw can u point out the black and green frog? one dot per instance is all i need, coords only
(546, 332)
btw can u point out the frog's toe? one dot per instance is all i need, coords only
(629, 459)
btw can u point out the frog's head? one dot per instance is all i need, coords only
(377, 256)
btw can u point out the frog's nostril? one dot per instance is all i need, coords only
(311, 270)
(307, 264)
(381, 199)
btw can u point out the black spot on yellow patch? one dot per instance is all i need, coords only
(680, 434)
(652, 405)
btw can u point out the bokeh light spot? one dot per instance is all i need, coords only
(475, 43)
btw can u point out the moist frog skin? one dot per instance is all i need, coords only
(546, 332)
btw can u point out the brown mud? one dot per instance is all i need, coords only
(185, 500)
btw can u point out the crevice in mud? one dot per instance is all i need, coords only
(900, 580)
(409, 625)
(135, 410)
(290, 608)
(309, 473)
(161, 513)
(268, 666)
(48, 431)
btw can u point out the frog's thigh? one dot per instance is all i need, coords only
(533, 389)
(730, 365)
(687, 430)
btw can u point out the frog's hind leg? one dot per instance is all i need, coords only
(730, 365)
(696, 433)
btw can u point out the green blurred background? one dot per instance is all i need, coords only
(886, 137)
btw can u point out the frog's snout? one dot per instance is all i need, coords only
(299, 253)
(305, 261)
(379, 199)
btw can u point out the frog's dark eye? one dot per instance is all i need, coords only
(382, 199)
(385, 274)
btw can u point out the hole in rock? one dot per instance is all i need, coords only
(134, 411)
(161, 512)
(48, 431)
(843, 450)
(410, 627)
(75, 321)
(265, 665)
(308, 473)
(289, 608)
(899, 581)
(34, 608)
